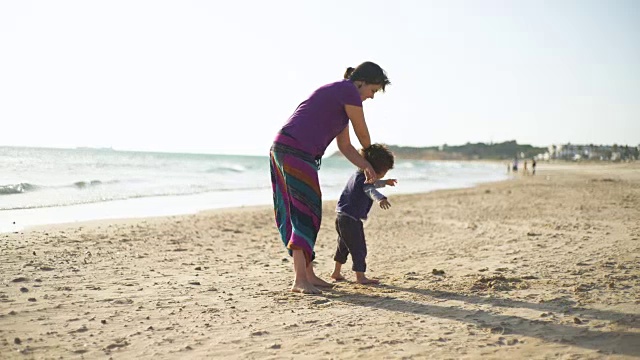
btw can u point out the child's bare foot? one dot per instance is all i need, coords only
(337, 276)
(361, 279)
(367, 281)
(304, 287)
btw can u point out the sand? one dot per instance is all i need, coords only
(544, 266)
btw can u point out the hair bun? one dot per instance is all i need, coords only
(348, 73)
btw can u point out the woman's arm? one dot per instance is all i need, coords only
(356, 114)
(344, 144)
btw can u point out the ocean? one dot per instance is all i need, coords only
(40, 186)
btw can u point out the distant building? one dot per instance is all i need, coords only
(592, 152)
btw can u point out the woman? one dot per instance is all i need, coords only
(296, 155)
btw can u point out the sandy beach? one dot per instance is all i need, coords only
(544, 266)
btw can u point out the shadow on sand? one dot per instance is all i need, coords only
(608, 342)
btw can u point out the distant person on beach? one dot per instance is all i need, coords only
(296, 155)
(515, 165)
(533, 166)
(525, 171)
(354, 206)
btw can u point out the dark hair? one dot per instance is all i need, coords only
(368, 72)
(379, 156)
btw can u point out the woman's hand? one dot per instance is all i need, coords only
(370, 174)
(344, 144)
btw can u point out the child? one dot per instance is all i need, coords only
(354, 205)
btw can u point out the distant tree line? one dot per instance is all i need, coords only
(468, 151)
(509, 150)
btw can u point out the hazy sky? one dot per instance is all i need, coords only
(223, 76)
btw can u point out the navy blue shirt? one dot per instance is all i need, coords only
(357, 197)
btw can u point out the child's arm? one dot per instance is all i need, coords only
(376, 196)
(384, 182)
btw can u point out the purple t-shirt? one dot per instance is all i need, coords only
(320, 118)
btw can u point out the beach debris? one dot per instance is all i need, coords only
(606, 180)
(275, 346)
(103, 322)
(81, 329)
(499, 283)
(411, 275)
(577, 321)
(24, 289)
(118, 344)
(17, 341)
(499, 330)
(259, 333)
(198, 268)
(483, 269)
(124, 301)
(194, 282)
(583, 287)
(320, 301)
(31, 299)
(437, 272)
(20, 279)
(46, 268)
(533, 234)
(512, 342)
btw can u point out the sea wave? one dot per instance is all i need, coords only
(17, 188)
(120, 197)
(21, 188)
(236, 168)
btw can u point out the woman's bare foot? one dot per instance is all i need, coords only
(302, 282)
(314, 280)
(304, 287)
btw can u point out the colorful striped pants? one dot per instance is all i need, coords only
(297, 199)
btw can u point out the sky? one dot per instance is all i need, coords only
(223, 76)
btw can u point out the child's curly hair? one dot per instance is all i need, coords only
(379, 156)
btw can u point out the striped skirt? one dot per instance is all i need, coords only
(297, 199)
